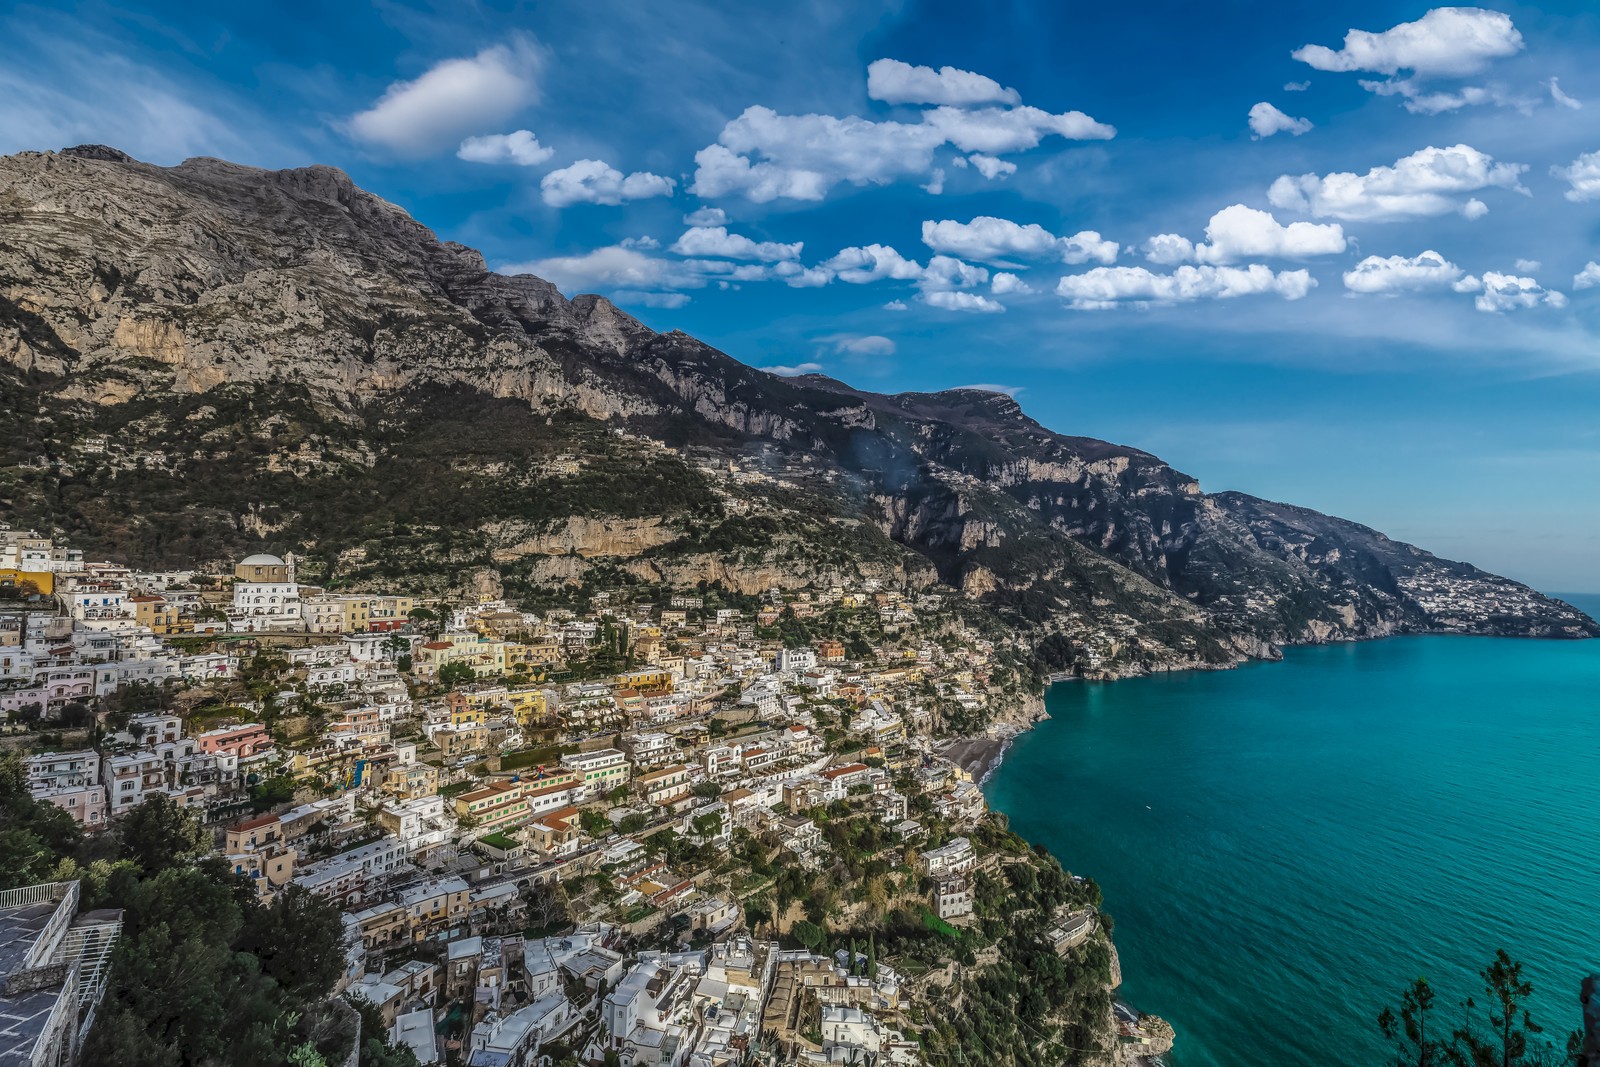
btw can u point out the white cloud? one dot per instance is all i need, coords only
(614, 267)
(593, 181)
(803, 156)
(1421, 101)
(798, 277)
(648, 243)
(951, 300)
(1169, 249)
(1583, 175)
(1508, 292)
(947, 272)
(1001, 241)
(895, 82)
(717, 241)
(1238, 232)
(989, 166)
(895, 305)
(1108, 287)
(1004, 283)
(1392, 274)
(1562, 98)
(935, 184)
(1296, 87)
(1017, 129)
(794, 371)
(451, 99)
(1528, 266)
(861, 344)
(1445, 42)
(764, 156)
(520, 147)
(1086, 245)
(1588, 277)
(1427, 182)
(1266, 120)
(650, 300)
(861, 265)
(706, 216)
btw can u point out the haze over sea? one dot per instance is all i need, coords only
(1284, 846)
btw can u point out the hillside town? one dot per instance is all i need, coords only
(704, 830)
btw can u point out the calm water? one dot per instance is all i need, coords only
(1284, 846)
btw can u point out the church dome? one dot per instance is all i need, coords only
(262, 559)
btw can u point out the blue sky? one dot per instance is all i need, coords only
(1343, 271)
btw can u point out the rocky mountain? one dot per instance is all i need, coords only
(207, 359)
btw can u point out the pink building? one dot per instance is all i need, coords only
(242, 742)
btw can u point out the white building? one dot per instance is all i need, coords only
(265, 591)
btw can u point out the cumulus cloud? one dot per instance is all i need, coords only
(451, 99)
(706, 216)
(1445, 42)
(1588, 277)
(1528, 266)
(764, 156)
(947, 272)
(717, 241)
(593, 181)
(798, 277)
(1266, 120)
(794, 371)
(520, 147)
(895, 82)
(1017, 129)
(1509, 292)
(1108, 287)
(871, 263)
(1238, 232)
(1004, 283)
(613, 267)
(1169, 249)
(1427, 182)
(1296, 87)
(1393, 274)
(990, 167)
(954, 300)
(896, 305)
(994, 240)
(852, 344)
(1583, 175)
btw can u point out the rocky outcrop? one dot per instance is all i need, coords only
(340, 329)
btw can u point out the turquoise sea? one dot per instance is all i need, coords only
(1284, 846)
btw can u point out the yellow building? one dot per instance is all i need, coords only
(159, 615)
(19, 582)
(461, 740)
(412, 780)
(646, 678)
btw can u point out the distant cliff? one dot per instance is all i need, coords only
(210, 358)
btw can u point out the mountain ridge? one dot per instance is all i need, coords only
(246, 325)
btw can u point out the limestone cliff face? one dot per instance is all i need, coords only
(281, 355)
